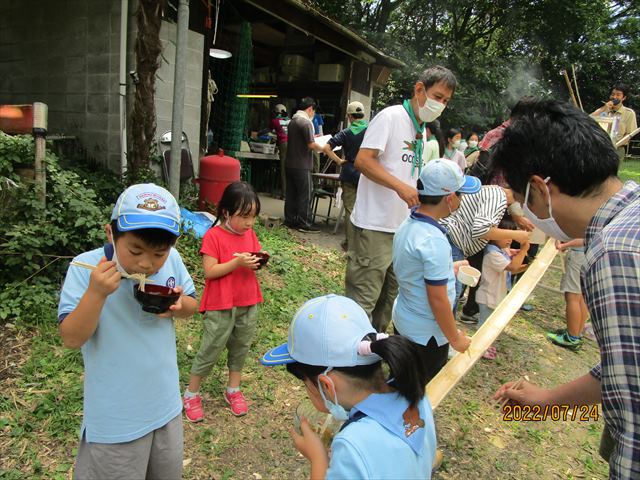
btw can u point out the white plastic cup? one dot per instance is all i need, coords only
(468, 275)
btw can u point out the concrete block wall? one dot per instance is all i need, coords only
(193, 86)
(65, 53)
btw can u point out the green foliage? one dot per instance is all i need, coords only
(36, 242)
(500, 50)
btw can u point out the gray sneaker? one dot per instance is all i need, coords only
(469, 319)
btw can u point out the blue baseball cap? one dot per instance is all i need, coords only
(147, 205)
(326, 331)
(441, 177)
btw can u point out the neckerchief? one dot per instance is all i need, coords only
(469, 150)
(391, 411)
(357, 126)
(417, 159)
(494, 248)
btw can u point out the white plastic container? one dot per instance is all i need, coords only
(262, 147)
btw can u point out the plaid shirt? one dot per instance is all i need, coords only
(611, 285)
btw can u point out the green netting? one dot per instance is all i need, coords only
(233, 76)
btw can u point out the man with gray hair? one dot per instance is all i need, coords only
(390, 160)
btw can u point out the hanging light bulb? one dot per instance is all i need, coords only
(217, 52)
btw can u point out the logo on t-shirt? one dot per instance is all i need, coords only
(411, 147)
(171, 282)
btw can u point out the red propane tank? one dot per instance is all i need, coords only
(216, 172)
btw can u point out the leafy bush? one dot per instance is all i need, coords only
(36, 243)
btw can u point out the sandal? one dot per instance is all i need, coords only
(490, 353)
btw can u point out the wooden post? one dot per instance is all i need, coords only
(41, 169)
(40, 111)
(566, 79)
(575, 82)
(461, 363)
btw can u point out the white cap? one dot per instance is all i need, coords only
(355, 107)
(280, 108)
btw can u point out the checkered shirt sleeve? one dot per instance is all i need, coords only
(612, 289)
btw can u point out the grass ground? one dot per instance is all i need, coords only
(630, 169)
(41, 398)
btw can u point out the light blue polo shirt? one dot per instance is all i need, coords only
(381, 445)
(421, 257)
(131, 373)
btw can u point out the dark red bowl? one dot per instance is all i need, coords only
(156, 298)
(263, 258)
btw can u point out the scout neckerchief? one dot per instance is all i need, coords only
(417, 159)
(357, 126)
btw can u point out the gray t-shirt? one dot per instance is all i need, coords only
(300, 136)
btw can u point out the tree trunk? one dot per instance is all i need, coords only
(143, 116)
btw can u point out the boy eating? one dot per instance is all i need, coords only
(132, 424)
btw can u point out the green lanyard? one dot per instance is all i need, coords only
(417, 159)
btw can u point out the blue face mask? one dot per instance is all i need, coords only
(335, 409)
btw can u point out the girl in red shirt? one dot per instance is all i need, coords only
(231, 294)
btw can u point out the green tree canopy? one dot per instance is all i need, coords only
(501, 50)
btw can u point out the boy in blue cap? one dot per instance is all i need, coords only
(388, 430)
(424, 266)
(132, 425)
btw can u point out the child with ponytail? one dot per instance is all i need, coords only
(388, 430)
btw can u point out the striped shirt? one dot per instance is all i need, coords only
(477, 214)
(611, 285)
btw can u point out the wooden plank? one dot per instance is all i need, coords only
(460, 364)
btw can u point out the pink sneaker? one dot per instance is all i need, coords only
(237, 402)
(193, 408)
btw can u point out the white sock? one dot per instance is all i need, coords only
(231, 390)
(189, 394)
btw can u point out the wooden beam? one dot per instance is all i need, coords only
(307, 24)
(460, 364)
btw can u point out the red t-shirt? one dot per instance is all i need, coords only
(239, 288)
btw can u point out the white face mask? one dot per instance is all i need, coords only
(456, 145)
(431, 110)
(335, 409)
(547, 225)
(473, 143)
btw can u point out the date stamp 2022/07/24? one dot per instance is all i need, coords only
(556, 413)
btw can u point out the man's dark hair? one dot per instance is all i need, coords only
(621, 87)
(556, 140)
(523, 105)
(437, 74)
(152, 237)
(307, 102)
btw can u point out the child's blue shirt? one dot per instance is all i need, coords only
(421, 257)
(131, 374)
(382, 444)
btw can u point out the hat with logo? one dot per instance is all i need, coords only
(327, 331)
(441, 177)
(280, 108)
(355, 107)
(147, 205)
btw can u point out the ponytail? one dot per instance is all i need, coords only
(406, 365)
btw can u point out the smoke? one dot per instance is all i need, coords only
(524, 79)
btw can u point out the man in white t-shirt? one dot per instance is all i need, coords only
(390, 159)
